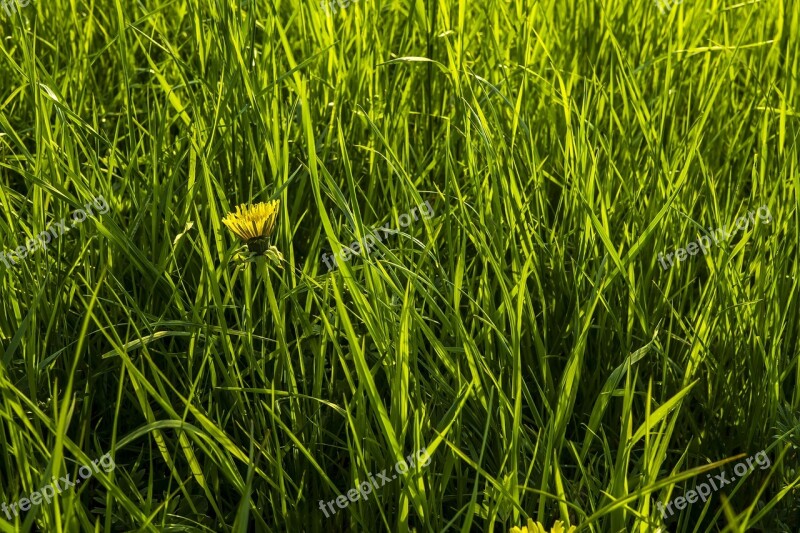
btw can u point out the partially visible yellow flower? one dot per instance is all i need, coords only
(532, 527)
(254, 224)
(558, 527)
(536, 527)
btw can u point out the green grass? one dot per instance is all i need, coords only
(526, 336)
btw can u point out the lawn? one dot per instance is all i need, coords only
(283, 266)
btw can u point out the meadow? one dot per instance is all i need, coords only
(526, 338)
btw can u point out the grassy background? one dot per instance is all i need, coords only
(526, 336)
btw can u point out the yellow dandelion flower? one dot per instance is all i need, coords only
(254, 224)
(536, 527)
(558, 527)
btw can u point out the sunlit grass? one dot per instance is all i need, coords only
(526, 336)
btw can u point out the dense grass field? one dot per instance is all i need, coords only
(539, 318)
